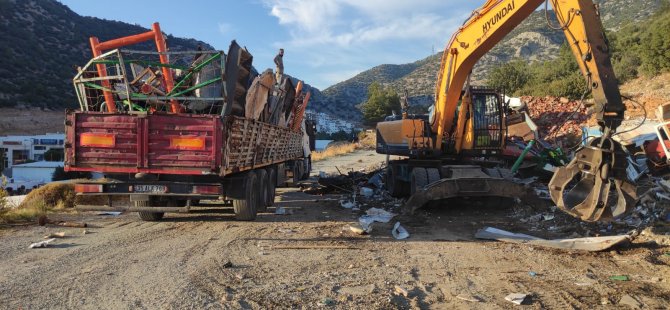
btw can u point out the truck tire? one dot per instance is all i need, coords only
(393, 184)
(148, 216)
(272, 185)
(245, 209)
(433, 175)
(419, 179)
(308, 168)
(263, 185)
(297, 172)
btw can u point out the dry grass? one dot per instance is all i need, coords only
(54, 196)
(335, 150)
(367, 140)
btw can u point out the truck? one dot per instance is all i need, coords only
(171, 128)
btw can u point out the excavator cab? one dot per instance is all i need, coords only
(484, 130)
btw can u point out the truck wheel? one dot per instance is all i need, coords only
(272, 186)
(393, 184)
(297, 172)
(263, 193)
(148, 216)
(419, 179)
(246, 208)
(433, 175)
(308, 168)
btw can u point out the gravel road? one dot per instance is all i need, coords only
(310, 259)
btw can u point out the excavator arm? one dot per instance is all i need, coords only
(599, 168)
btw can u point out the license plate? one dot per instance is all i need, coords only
(150, 188)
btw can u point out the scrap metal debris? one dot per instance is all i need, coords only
(519, 299)
(591, 244)
(41, 244)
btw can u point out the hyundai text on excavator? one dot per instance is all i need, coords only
(444, 149)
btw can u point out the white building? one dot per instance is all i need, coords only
(21, 149)
(328, 124)
(33, 174)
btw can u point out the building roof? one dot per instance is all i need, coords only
(46, 136)
(41, 164)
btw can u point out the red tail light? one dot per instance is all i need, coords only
(88, 188)
(207, 189)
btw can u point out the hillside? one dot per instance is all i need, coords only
(42, 42)
(532, 41)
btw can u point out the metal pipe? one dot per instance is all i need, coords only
(102, 72)
(518, 162)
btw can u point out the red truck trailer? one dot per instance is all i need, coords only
(170, 128)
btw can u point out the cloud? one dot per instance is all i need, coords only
(226, 29)
(348, 36)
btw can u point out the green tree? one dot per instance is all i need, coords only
(655, 51)
(54, 155)
(382, 101)
(510, 76)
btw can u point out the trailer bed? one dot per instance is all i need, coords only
(177, 144)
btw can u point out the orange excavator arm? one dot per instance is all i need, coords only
(580, 22)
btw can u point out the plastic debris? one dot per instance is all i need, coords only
(399, 232)
(619, 278)
(357, 229)
(42, 244)
(519, 299)
(347, 204)
(367, 192)
(375, 215)
(591, 244)
(376, 180)
(283, 211)
(532, 273)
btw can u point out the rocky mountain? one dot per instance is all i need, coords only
(42, 41)
(533, 40)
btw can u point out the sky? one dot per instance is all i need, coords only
(325, 41)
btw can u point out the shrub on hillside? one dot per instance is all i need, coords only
(382, 101)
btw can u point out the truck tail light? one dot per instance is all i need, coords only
(97, 140)
(207, 189)
(187, 143)
(88, 188)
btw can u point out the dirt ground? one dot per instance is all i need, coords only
(310, 259)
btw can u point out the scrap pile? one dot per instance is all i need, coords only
(195, 82)
(557, 118)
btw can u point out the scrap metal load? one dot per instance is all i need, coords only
(195, 82)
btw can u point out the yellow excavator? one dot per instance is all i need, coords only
(445, 153)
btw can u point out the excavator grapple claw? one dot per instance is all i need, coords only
(594, 186)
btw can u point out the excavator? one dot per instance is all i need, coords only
(448, 153)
